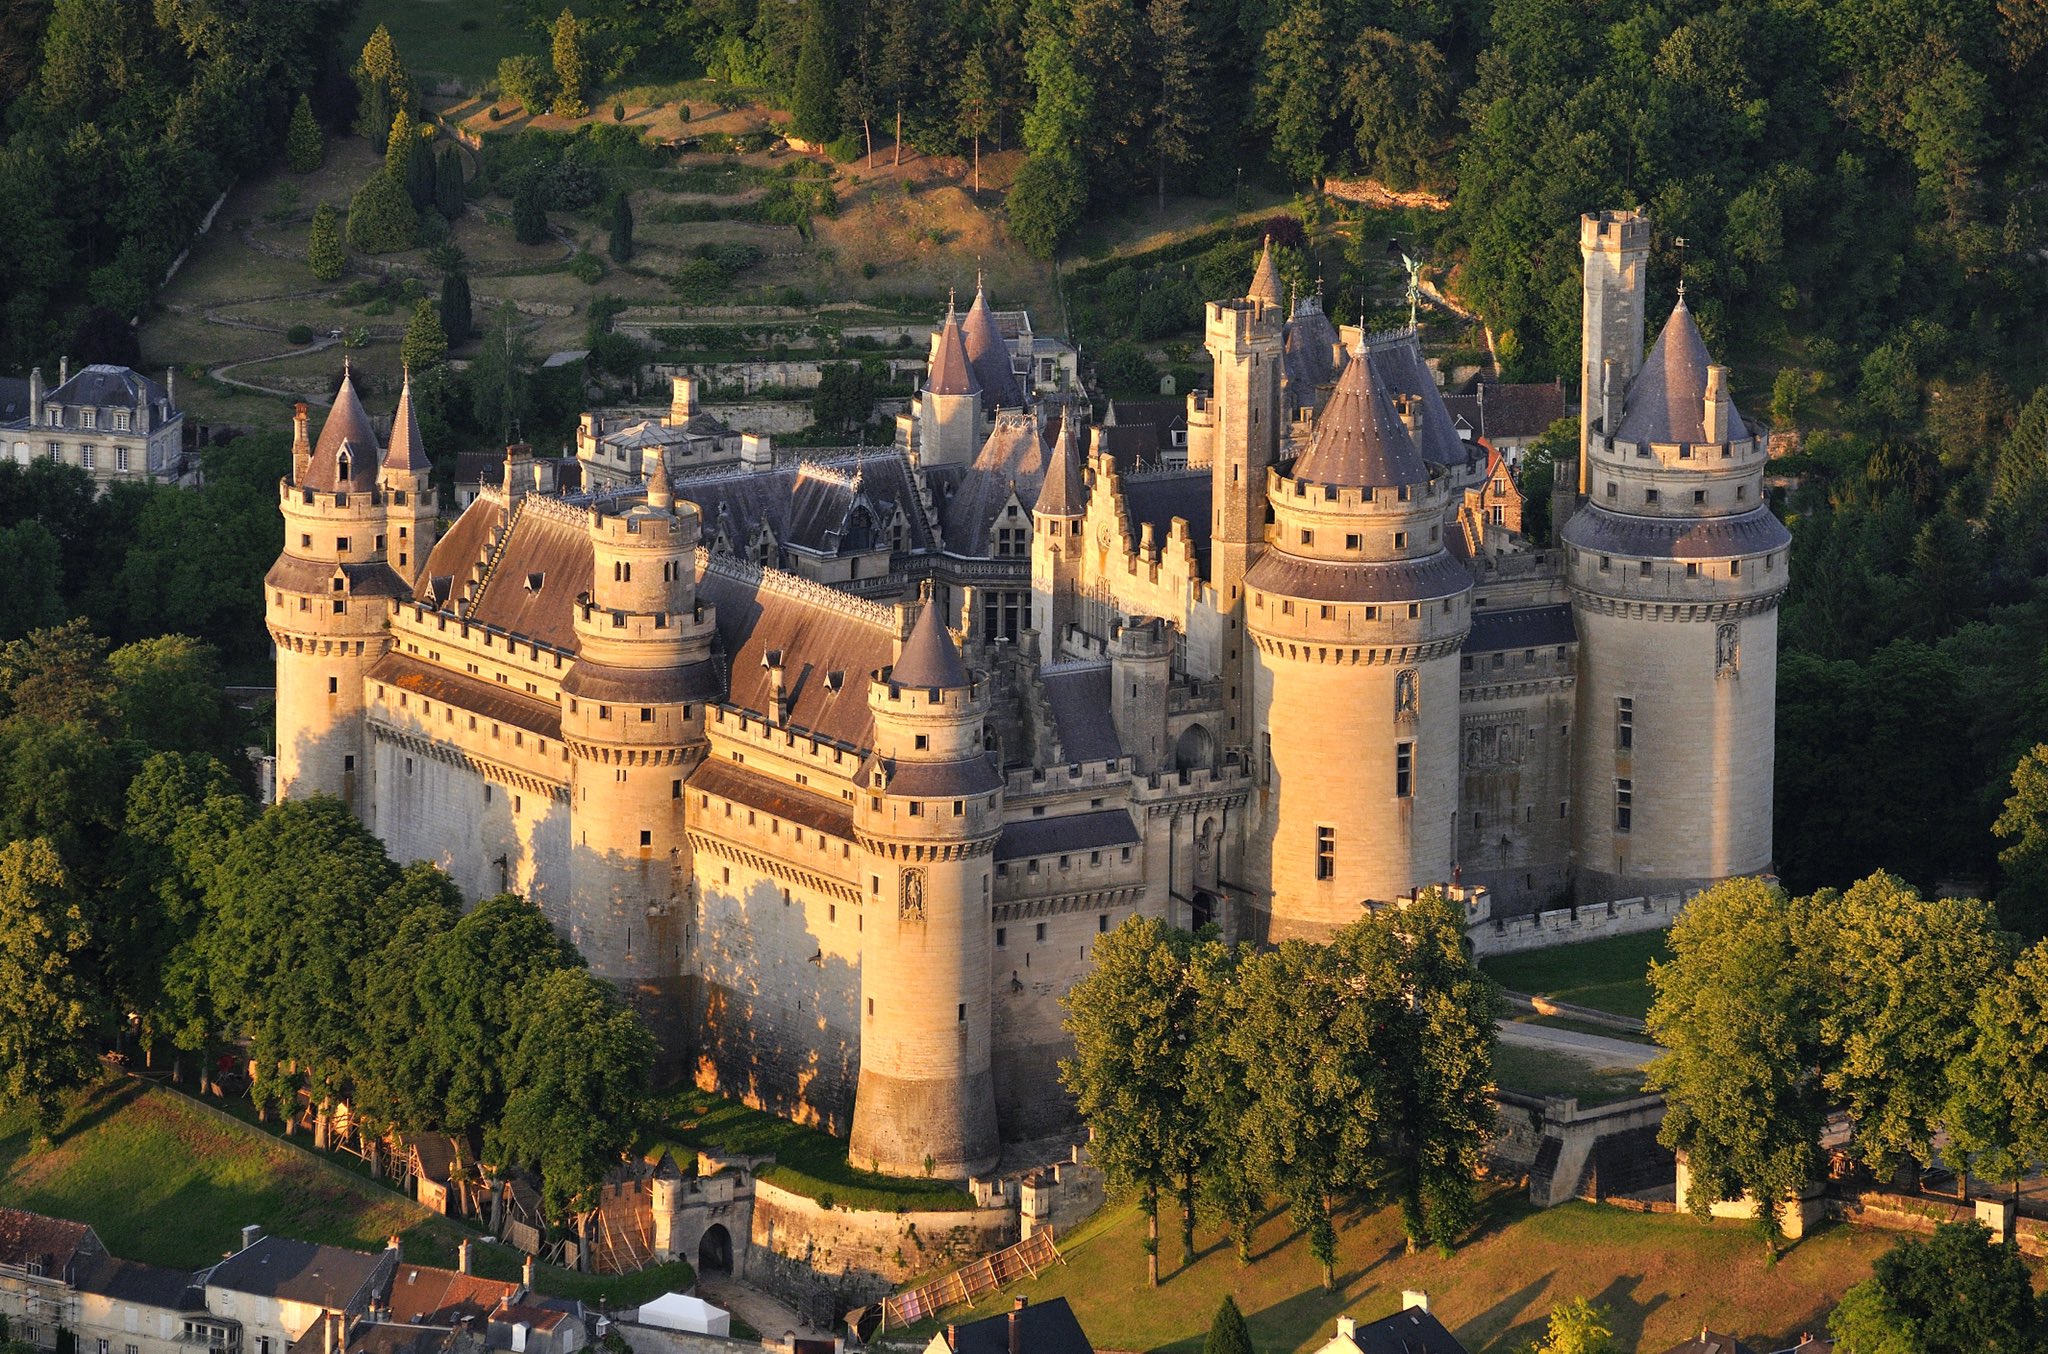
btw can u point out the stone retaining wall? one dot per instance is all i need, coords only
(864, 1255)
(1568, 925)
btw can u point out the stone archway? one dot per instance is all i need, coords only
(1194, 750)
(1204, 908)
(714, 1250)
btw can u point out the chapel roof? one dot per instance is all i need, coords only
(952, 372)
(408, 449)
(990, 355)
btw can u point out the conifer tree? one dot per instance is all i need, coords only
(1177, 118)
(814, 102)
(569, 72)
(529, 216)
(977, 106)
(455, 306)
(304, 145)
(420, 175)
(398, 145)
(448, 186)
(1227, 1333)
(620, 246)
(380, 219)
(383, 82)
(426, 342)
(324, 252)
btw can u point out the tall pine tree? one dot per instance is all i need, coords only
(304, 146)
(448, 185)
(456, 320)
(570, 76)
(620, 246)
(814, 102)
(324, 252)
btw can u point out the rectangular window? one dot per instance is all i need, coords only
(341, 545)
(85, 456)
(1039, 935)
(1699, 496)
(121, 464)
(1643, 569)
(1606, 563)
(1649, 495)
(1102, 924)
(1002, 937)
(1692, 571)
(1400, 540)
(1624, 793)
(1741, 493)
(90, 418)
(1624, 722)
(1404, 770)
(120, 420)
(1326, 853)
(1354, 541)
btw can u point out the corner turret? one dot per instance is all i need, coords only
(412, 505)
(950, 428)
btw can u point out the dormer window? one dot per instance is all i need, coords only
(345, 461)
(88, 418)
(121, 420)
(55, 414)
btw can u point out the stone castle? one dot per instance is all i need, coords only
(838, 763)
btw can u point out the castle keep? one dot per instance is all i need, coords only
(838, 763)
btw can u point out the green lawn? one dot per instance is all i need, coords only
(807, 1161)
(459, 38)
(165, 1182)
(1607, 975)
(1536, 1071)
(1664, 1277)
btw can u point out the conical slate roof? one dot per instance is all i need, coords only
(660, 493)
(990, 355)
(1266, 278)
(1063, 494)
(347, 429)
(408, 450)
(1359, 441)
(951, 373)
(929, 656)
(1667, 401)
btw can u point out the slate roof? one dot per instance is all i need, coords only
(143, 1285)
(1687, 538)
(1047, 1328)
(1530, 627)
(347, 427)
(1161, 418)
(990, 355)
(930, 658)
(491, 700)
(52, 1243)
(1072, 832)
(1359, 441)
(1129, 446)
(1158, 499)
(1711, 1342)
(540, 546)
(1266, 278)
(1667, 400)
(1500, 411)
(952, 373)
(779, 799)
(1413, 1331)
(105, 386)
(1311, 352)
(13, 400)
(1416, 580)
(299, 1271)
(1063, 493)
(1012, 460)
(408, 450)
(1079, 697)
(833, 514)
(1399, 364)
(736, 500)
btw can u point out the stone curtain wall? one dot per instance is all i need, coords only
(1590, 921)
(864, 1254)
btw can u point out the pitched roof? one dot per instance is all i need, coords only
(1400, 367)
(299, 1271)
(13, 400)
(1079, 698)
(1667, 401)
(1359, 441)
(1047, 1328)
(1710, 1342)
(990, 355)
(143, 1285)
(1012, 460)
(1526, 627)
(52, 1244)
(428, 1295)
(1266, 278)
(347, 428)
(1311, 350)
(408, 451)
(1063, 493)
(1413, 1331)
(1518, 409)
(105, 385)
(952, 372)
(929, 657)
(1157, 499)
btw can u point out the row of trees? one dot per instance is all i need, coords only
(1914, 1016)
(1318, 1072)
(143, 892)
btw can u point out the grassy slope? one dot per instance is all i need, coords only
(431, 39)
(164, 1182)
(1536, 1071)
(1663, 1276)
(1607, 975)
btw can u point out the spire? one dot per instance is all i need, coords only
(1359, 441)
(929, 657)
(660, 493)
(345, 457)
(951, 373)
(1667, 401)
(1266, 278)
(989, 354)
(1063, 494)
(408, 450)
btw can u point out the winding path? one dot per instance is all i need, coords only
(1592, 1048)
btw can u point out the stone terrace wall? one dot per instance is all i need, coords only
(1567, 925)
(865, 1255)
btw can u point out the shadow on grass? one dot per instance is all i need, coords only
(1495, 1321)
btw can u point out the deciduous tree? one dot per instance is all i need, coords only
(46, 1007)
(1997, 1114)
(1955, 1293)
(1045, 202)
(1578, 1327)
(523, 79)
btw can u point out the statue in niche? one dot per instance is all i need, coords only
(1404, 694)
(911, 906)
(1727, 652)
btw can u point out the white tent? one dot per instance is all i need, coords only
(680, 1311)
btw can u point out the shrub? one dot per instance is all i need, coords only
(299, 333)
(426, 343)
(843, 150)
(304, 145)
(699, 281)
(587, 268)
(731, 256)
(524, 79)
(618, 112)
(380, 218)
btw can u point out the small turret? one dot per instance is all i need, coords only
(412, 508)
(1265, 287)
(1056, 542)
(950, 410)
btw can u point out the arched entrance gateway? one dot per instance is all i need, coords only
(714, 1250)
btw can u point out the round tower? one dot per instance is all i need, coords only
(327, 601)
(1676, 566)
(411, 505)
(1056, 541)
(927, 816)
(1356, 612)
(633, 721)
(949, 412)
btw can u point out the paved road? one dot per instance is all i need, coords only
(1593, 1048)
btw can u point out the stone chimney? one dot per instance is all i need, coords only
(757, 451)
(1346, 1328)
(778, 683)
(1413, 1299)
(465, 1257)
(682, 402)
(1410, 410)
(526, 1273)
(327, 1320)
(518, 470)
(1720, 409)
(171, 387)
(302, 442)
(64, 370)
(1017, 1324)
(251, 1235)
(35, 397)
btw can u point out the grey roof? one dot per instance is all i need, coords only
(1079, 697)
(143, 1285)
(1266, 278)
(347, 426)
(1043, 1328)
(1158, 499)
(737, 500)
(1399, 365)
(1416, 580)
(1359, 441)
(299, 1271)
(1012, 460)
(103, 385)
(1526, 627)
(1413, 1331)
(972, 775)
(408, 451)
(1610, 533)
(952, 373)
(1063, 493)
(1710, 1342)
(990, 355)
(1312, 352)
(1073, 832)
(820, 638)
(930, 658)
(13, 399)
(832, 514)
(1667, 400)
